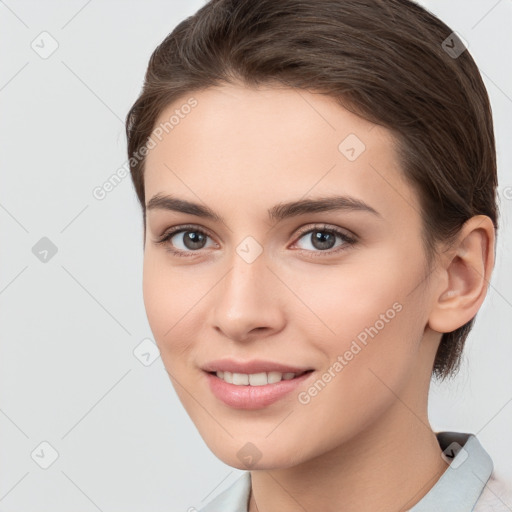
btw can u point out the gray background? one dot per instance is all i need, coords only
(70, 325)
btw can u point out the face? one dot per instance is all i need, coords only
(311, 259)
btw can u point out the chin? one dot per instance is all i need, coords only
(256, 454)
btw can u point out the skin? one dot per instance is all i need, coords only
(364, 442)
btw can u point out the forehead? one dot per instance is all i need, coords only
(256, 147)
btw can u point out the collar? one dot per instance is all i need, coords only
(461, 484)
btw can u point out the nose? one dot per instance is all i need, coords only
(249, 301)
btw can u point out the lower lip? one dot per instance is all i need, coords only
(252, 397)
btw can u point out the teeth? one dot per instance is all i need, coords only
(274, 377)
(240, 379)
(257, 379)
(254, 379)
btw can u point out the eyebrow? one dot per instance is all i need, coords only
(277, 213)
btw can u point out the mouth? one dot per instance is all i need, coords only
(254, 390)
(257, 379)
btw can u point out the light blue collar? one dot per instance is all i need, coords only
(461, 484)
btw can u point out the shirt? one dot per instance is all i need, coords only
(469, 484)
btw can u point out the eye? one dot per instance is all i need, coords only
(321, 239)
(184, 239)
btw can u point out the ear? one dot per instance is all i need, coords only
(465, 274)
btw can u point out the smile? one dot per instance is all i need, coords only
(253, 390)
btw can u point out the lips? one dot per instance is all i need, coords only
(252, 366)
(248, 396)
(253, 384)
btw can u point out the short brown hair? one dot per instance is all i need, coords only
(385, 60)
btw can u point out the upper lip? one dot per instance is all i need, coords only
(253, 366)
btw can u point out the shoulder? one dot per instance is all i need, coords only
(496, 496)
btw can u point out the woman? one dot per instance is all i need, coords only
(317, 181)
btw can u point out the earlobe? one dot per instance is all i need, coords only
(467, 274)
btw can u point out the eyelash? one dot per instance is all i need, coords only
(348, 240)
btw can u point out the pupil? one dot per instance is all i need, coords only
(323, 240)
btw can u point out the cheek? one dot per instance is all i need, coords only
(363, 376)
(169, 299)
(367, 324)
(348, 301)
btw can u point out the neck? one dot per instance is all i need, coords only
(391, 465)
